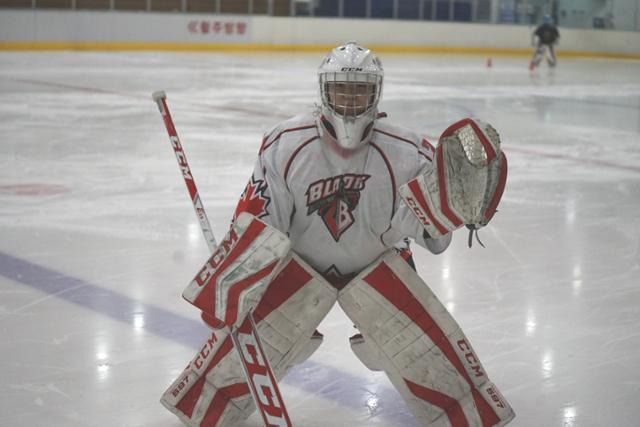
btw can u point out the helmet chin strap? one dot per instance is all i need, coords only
(349, 134)
(328, 134)
(346, 138)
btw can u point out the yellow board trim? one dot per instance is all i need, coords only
(239, 48)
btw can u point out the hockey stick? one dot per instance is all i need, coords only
(161, 99)
(266, 394)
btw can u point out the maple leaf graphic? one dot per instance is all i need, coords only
(253, 199)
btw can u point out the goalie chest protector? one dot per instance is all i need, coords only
(334, 207)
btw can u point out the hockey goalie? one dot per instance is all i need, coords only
(335, 197)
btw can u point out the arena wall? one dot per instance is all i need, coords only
(115, 30)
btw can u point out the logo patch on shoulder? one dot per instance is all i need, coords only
(253, 199)
(335, 199)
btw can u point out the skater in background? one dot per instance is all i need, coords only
(544, 38)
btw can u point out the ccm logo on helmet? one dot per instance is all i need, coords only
(351, 69)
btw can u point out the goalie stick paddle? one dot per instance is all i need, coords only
(259, 375)
(262, 382)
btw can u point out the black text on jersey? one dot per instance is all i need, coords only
(334, 199)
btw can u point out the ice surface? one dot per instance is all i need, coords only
(98, 237)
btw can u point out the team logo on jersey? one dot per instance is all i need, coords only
(335, 199)
(253, 199)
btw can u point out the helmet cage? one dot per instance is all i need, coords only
(350, 94)
(350, 85)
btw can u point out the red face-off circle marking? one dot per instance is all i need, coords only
(34, 189)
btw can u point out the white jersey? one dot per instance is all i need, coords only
(340, 212)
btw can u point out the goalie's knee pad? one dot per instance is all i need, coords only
(421, 347)
(313, 343)
(212, 390)
(368, 355)
(296, 301)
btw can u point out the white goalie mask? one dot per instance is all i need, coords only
(350, 79)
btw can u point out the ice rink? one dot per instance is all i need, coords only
(98, 237)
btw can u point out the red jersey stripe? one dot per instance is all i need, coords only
(391, 175)
(295, 153)
(266, 144)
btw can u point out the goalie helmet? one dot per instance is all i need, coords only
(350, 79)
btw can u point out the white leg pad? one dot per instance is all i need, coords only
(421, 347)
(306, 351)
(287, 330)
(212, 390)
(368, 355)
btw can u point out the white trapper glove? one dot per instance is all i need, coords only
(466, 183)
